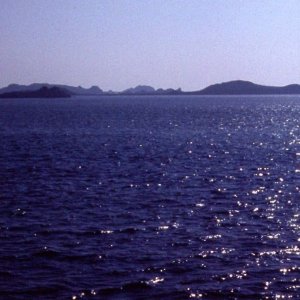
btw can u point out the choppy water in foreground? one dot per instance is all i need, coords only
(150, 198)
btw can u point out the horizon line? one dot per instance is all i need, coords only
(146, 85)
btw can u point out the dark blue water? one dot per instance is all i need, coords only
(150, 198)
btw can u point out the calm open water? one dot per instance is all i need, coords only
(150, 198)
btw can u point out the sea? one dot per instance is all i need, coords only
(150, 197)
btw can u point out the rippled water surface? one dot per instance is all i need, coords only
(150, 198)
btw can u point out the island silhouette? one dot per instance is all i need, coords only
(237, 87)
(43, 92)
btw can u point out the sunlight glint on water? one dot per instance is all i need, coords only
(150, 197)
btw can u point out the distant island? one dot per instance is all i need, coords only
(73, 90)
(237, 87)
(240, 87)
(43, 92)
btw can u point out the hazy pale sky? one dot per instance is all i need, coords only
(116, 44)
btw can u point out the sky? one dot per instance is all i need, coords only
(117, 44)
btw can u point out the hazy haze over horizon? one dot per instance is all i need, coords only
(120, 44)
